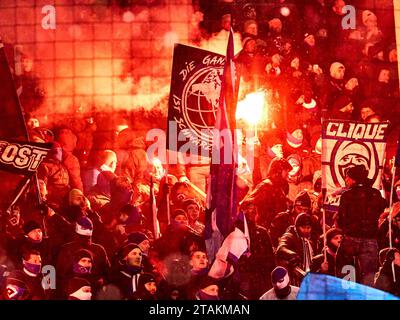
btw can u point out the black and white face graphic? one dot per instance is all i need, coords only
(349, 154)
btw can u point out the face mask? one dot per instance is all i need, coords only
(77, 268)
(283, 293)
(34, 241)
(32, 267)
(205, 296)
(79, 294)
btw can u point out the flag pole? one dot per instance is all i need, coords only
(324, 191)
(396, 5)
(391, 203)
(167, 195)
(19, 194)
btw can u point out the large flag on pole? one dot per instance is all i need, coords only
(194, 99)
(221, 212)
(19, 159)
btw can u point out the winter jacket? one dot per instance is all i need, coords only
(319, 259)
(125, 280)
(101, 265)
(33, 285)
(18, 246)
(384, 279)
(359, 211)
(68, 141)
(56, 177)
(254, 268)
(283, 221)
(270, 199)
(290, 252)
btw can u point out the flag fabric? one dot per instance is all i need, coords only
(221, 212)
(325, 287)
(349, 143)
(194, 99)
(233, 247)
(22, 158)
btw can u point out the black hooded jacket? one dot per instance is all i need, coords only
(359, 211)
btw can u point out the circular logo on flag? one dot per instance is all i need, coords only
(200, 102)
(347, 154)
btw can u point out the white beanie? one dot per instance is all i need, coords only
(334, 69)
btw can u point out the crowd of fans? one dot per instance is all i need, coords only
(95, 225)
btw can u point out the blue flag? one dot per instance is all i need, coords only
(324, 287)
(221, 213)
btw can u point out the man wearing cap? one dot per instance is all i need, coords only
(83, 240)
(359, 210)
(282, 290)
(127, 271)
(143, 242)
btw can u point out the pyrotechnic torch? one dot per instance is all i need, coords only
(252, 110)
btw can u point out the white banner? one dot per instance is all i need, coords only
(346, 144)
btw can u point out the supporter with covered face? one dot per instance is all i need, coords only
(147, 288)
(83, 240)
(282, 289)
(25, 283)
(79, 289)
(209, 290)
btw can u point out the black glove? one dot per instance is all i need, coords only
(294, 261)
